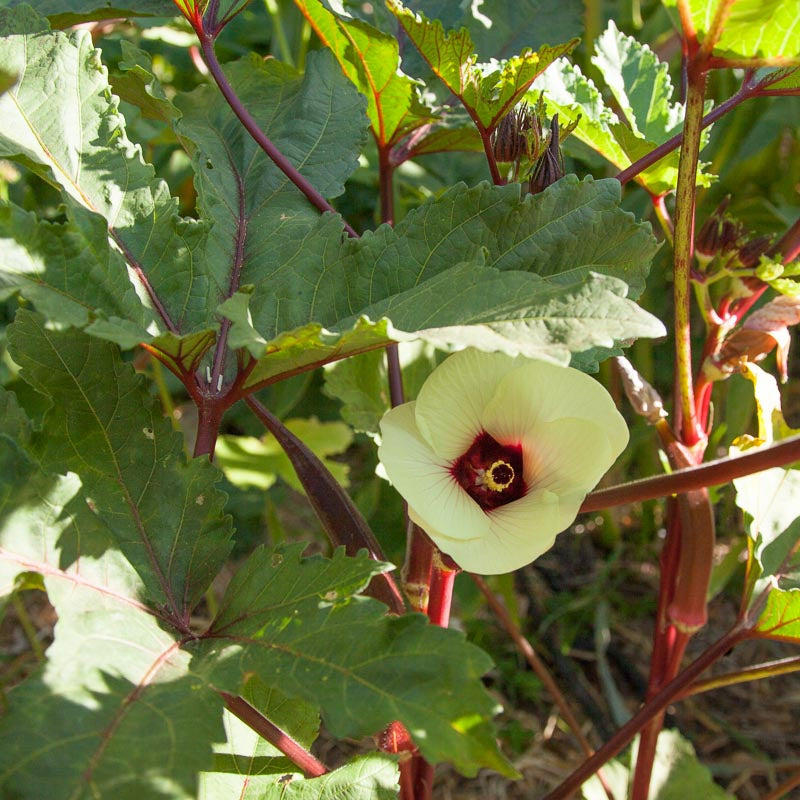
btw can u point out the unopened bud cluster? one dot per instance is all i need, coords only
(519, 140)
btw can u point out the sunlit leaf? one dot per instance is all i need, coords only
(487, 90)
(751, 28)
(642, 88)
(370, 59)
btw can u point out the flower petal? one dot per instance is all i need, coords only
(424, 479)
(566, 455)
(518, 533)
(451, 402)
(537, 392)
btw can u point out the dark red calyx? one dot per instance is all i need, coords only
(490, 472)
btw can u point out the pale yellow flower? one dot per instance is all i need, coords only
(497, 454)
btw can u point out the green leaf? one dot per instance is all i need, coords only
(751, 28)
(261, 223)
(247, 461)
(68, 269)
(113, 677)
(487, 91)
(368, 777)
(362, 383)
(113, 680)
(528, 262)
(90, 10)
(780, 618)
(296, 625)
(139, 86)
(640, 84)
(370, 59)
(104, 426)
(91, 160)
(677, 774)
(245, 757)
(770, 498)
(500, 28)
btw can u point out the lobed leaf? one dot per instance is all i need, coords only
(370, 59)
(293, 625)
(90, 159)
(104, 426)
(528, 263)
(641, 86)
(488, 91)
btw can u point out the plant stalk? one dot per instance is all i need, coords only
(712, 473)
(690, 432)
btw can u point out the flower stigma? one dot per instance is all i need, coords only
(499, 476)
(490, 472)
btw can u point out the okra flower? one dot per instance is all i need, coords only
(497, 454)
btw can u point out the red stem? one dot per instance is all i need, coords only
(239, 707)
(746, 91)
(280, 161)
(712, 473)
(486, 139)
(442, 582)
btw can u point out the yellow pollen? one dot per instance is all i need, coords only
(499, 476)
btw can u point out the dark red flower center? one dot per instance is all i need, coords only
(490, 472)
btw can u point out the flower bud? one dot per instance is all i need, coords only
(549, 167)
(517, 135)
(719, 234)
(750, 252)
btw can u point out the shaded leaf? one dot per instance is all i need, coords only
(89, 10)
(67, 269)
(296, 625)
(245, 756)
(136, 460)
(136, 84)
(677, 774)
(76, 729)
(500, 28)
(361, 383)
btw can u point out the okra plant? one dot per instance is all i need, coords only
(427, 223)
